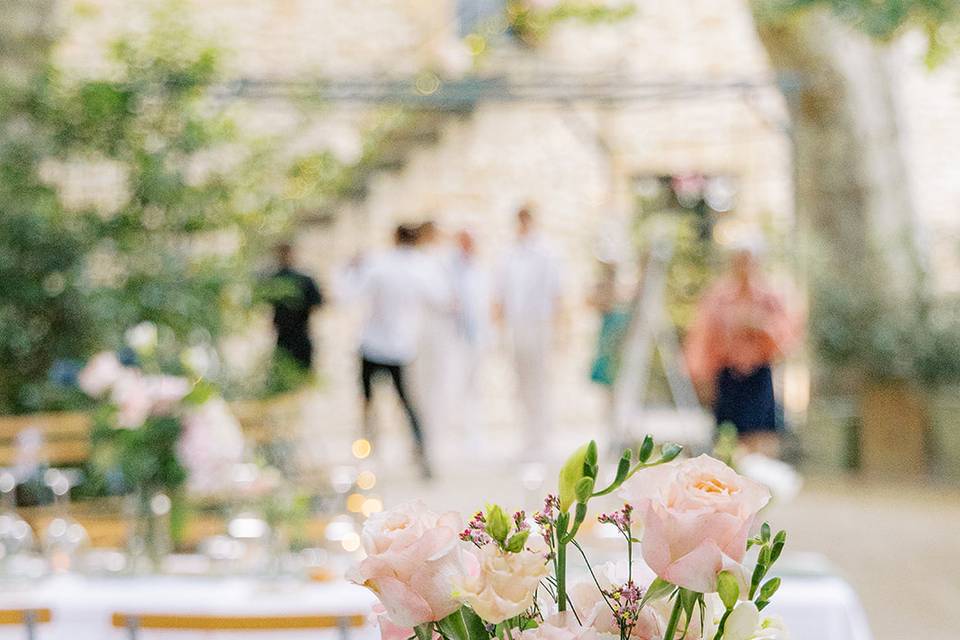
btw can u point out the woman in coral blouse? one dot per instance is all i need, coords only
(741, 328)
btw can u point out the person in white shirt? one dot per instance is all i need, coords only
(529, 305)
(399, 289)
(471, 291)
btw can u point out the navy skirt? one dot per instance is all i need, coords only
(746, 401)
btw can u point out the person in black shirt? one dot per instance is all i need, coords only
(293, 296)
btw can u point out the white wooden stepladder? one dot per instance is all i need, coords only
(651, 332)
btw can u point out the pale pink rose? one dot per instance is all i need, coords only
(413, 559)
(132, 397)
(211, 446)
(501, 585)
(560, 626)
(391, 631)
(165, 392)
(696, 515)
(594, 611)
(101, 372)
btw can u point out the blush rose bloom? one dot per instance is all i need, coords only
(100, 374)
(131, 395)
(594, 611)
(391, 631)
(210, 447)
(696, 516)
(501, 585)
(560, 626)
(413, 560)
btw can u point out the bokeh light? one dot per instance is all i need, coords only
(361, 448)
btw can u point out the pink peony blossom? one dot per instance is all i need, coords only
(697, 515)
(413, 559)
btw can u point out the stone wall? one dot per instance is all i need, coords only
(488, 162)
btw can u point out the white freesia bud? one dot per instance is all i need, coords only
(746, 623)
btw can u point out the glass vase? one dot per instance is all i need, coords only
(148, 534)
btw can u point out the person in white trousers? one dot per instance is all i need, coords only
(529, 306)
(471, 290)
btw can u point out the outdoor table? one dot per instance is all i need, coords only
(814, 607)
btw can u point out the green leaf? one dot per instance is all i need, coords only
(454, 627)
(723, 623)
(476, 629)
(424, 631)
(728, 588)
(689, 599)
(517, 540)
(765, 532)
(769, 588)
(758, 572)
(200, 393)
(669, 451)
(646, 449)
(498, 523)
(659, 588)
(570, 475)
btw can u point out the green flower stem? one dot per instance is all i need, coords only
(592, 574)
(674, 619)
(561, 575)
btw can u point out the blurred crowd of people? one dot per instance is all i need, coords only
(432, 309)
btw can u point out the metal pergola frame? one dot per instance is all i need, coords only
(428, 91)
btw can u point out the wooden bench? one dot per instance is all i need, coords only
(65, 437)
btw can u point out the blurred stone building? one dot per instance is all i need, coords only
(678, 88)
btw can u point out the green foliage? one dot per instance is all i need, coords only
(146, 457)
(531, 24)
(882, 20)
(72, 281)
(853, 332)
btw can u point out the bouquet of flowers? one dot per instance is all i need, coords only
(505, 576)
(159, 430)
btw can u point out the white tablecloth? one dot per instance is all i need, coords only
(814, 608)
(82, 607)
